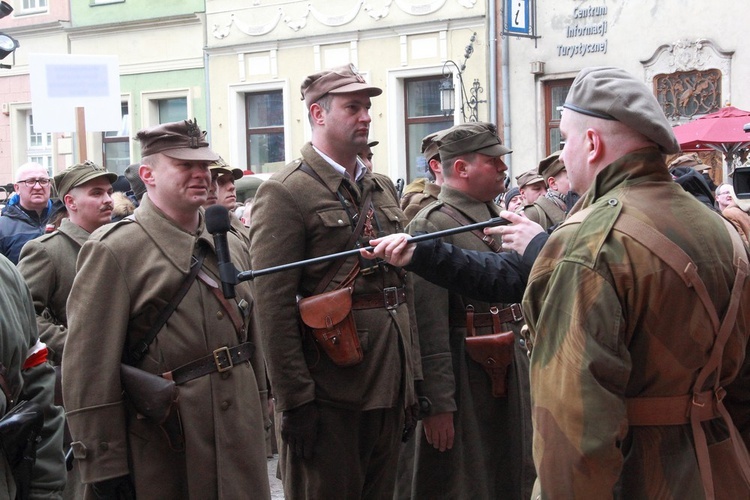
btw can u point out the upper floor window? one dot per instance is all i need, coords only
(33, 6)
(39, 144)
(116, 145)
(172, 110)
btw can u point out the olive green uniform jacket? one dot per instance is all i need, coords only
(18, 334)
(611, 321)
(546, 210)
(491, 454)
(127, 273)
(296, 217)
(48, 265)
(412, 203)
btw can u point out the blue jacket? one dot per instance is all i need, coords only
(17, 227)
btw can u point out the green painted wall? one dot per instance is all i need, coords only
(83, 13)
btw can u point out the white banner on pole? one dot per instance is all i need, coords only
(60, 83)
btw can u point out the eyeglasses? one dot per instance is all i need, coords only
(31, 182)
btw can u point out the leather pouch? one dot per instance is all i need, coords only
(329, 317)
(495, 353)
(156, 399)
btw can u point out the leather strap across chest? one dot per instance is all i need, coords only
(463, 221)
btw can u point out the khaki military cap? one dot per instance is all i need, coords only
(341, 80)
(179, 140)
(527, 178)
(550, 166)
(689, 160)
(430, 147)
(221, 167)
(79, 174)
(134, 178)
(614, 94)
(474, 137)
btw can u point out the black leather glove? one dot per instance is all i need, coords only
(299, 429)
(117, 488)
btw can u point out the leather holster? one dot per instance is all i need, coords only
(329, 317)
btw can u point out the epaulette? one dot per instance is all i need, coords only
(47, 236)
(594, 225)
(107, 229)
(432, 207)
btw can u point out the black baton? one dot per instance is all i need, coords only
(249, 275)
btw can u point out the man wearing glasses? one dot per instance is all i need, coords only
(25, 217)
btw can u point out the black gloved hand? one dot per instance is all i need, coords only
(299, 429)
(117, 488)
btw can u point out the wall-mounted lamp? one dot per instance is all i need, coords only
(448, 91)
(8, 44)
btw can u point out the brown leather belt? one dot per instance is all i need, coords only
(510, 314)
(221, 360)
(389, 298)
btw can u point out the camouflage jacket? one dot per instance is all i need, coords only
(610, 321)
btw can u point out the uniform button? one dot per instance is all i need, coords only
(103, 446)
(612, 202)
(340, 222)
(219, 315)
(225, 405)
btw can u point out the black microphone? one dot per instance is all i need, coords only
(217, 223)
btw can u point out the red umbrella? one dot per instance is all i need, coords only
(722, 131)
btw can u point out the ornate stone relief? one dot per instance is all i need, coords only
(298, 22)
(670, 61)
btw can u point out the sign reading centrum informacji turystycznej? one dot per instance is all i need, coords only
(586, 22)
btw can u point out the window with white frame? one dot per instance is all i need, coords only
(165, 106)
(39, 145)
(264, 115)
(33, 6)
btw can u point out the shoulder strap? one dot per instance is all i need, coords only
(141, 347)
(463, 221)
(674, 256)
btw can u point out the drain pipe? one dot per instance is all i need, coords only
(493, 59)
(505, 54)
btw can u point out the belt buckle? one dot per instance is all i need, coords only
(217, 354)
(515, 309)
(390, 297)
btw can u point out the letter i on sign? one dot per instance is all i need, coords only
(517, 15)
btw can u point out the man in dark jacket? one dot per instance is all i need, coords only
(25, 219)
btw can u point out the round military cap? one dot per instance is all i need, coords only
(550, 166)
(134, 178)
(221, 167)
(689, 160)
(179, 140)
(614, 94)
(529, 177)
(341, 80)
(430, 147)
(79, 174)
(474, 137)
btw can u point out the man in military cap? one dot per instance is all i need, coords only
(421, 192)
(224, 193)
(366, 154)
(550, 209)
(341, 426)
(629, 396)
(470, 431)
(130, 278)
(48, 263)
(531, 185)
